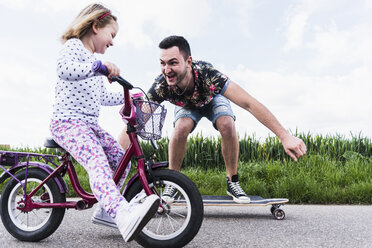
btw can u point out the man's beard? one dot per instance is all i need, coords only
(181, 77)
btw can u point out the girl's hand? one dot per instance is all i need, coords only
(113, 70)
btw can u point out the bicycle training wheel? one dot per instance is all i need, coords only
(178, 221)
(37, 224)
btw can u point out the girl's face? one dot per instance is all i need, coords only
(103, 37)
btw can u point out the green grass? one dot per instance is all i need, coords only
(314, 179)
(335, 170)
(205, 152)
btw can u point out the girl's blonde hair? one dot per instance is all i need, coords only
(94, 13)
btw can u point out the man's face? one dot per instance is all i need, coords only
(173, 65)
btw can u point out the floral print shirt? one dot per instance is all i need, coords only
(208, 83)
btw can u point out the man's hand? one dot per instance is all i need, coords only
(294, 147)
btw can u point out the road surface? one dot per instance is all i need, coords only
(304, 226)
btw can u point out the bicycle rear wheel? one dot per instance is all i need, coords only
(176, 223)
(37, 224)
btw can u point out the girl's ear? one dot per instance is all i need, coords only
(95, 27)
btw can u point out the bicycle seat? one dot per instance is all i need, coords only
(50, 143)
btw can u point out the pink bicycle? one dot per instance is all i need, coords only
(33, 201)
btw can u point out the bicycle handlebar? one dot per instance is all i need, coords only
(102, 69)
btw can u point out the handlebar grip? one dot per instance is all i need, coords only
(100, 68)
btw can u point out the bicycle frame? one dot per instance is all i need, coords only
(87, 199)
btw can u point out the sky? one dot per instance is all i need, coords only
(308, 61)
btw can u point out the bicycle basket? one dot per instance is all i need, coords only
(150, 118)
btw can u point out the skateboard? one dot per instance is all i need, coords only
(277, 212)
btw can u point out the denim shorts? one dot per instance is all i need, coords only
(218, 107)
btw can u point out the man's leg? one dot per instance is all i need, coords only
(178, 142)
(176, 151)
(223, 119)
(229, 144)
(230, 153)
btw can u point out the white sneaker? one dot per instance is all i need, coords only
(101, 217)
(132, 217)
(139, 198)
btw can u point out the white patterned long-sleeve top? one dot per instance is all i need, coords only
(79, 92)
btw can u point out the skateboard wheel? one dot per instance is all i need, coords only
(279, 214)
(273, 207)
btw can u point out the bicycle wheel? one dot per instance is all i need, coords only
(37, 224)
(176, 223)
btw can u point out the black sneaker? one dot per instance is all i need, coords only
(234, 190)
(169, 193)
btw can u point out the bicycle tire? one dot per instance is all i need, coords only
(18, 223)
(192, 213)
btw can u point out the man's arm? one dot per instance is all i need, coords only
(240, 97)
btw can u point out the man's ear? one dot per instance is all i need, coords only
(189, 61)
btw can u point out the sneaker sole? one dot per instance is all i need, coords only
(97, 221)
(237, 200)
(141, 223)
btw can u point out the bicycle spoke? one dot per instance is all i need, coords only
(170, 219)
(178, 214)
(37, 216)
(18, 213)
(157, 229)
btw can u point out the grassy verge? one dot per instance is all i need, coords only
(335, 170)
(314, 179)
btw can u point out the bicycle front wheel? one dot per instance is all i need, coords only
(37, 224)
(177, 222)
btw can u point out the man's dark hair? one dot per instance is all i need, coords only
(177, 41)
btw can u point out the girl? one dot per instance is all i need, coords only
(74, 126)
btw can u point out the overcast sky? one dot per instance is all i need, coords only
(309, 61)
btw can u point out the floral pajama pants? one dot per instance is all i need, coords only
(99, 153)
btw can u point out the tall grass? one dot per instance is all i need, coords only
(314, 179)
(335, 169)
(205, 152)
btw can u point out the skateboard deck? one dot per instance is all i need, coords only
(276, 211)
(214, 200)
(217, 200)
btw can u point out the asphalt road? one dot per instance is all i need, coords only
(304, 226)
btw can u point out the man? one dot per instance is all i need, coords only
(199, 90)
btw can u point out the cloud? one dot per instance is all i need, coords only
(316, 77)
(328, 43)
(333, 46)
(321, 104)
(140, 21)
(44, 6)
(296, 21)
(295, 30)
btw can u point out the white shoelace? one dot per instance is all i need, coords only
(169, 191)
(235, 186)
